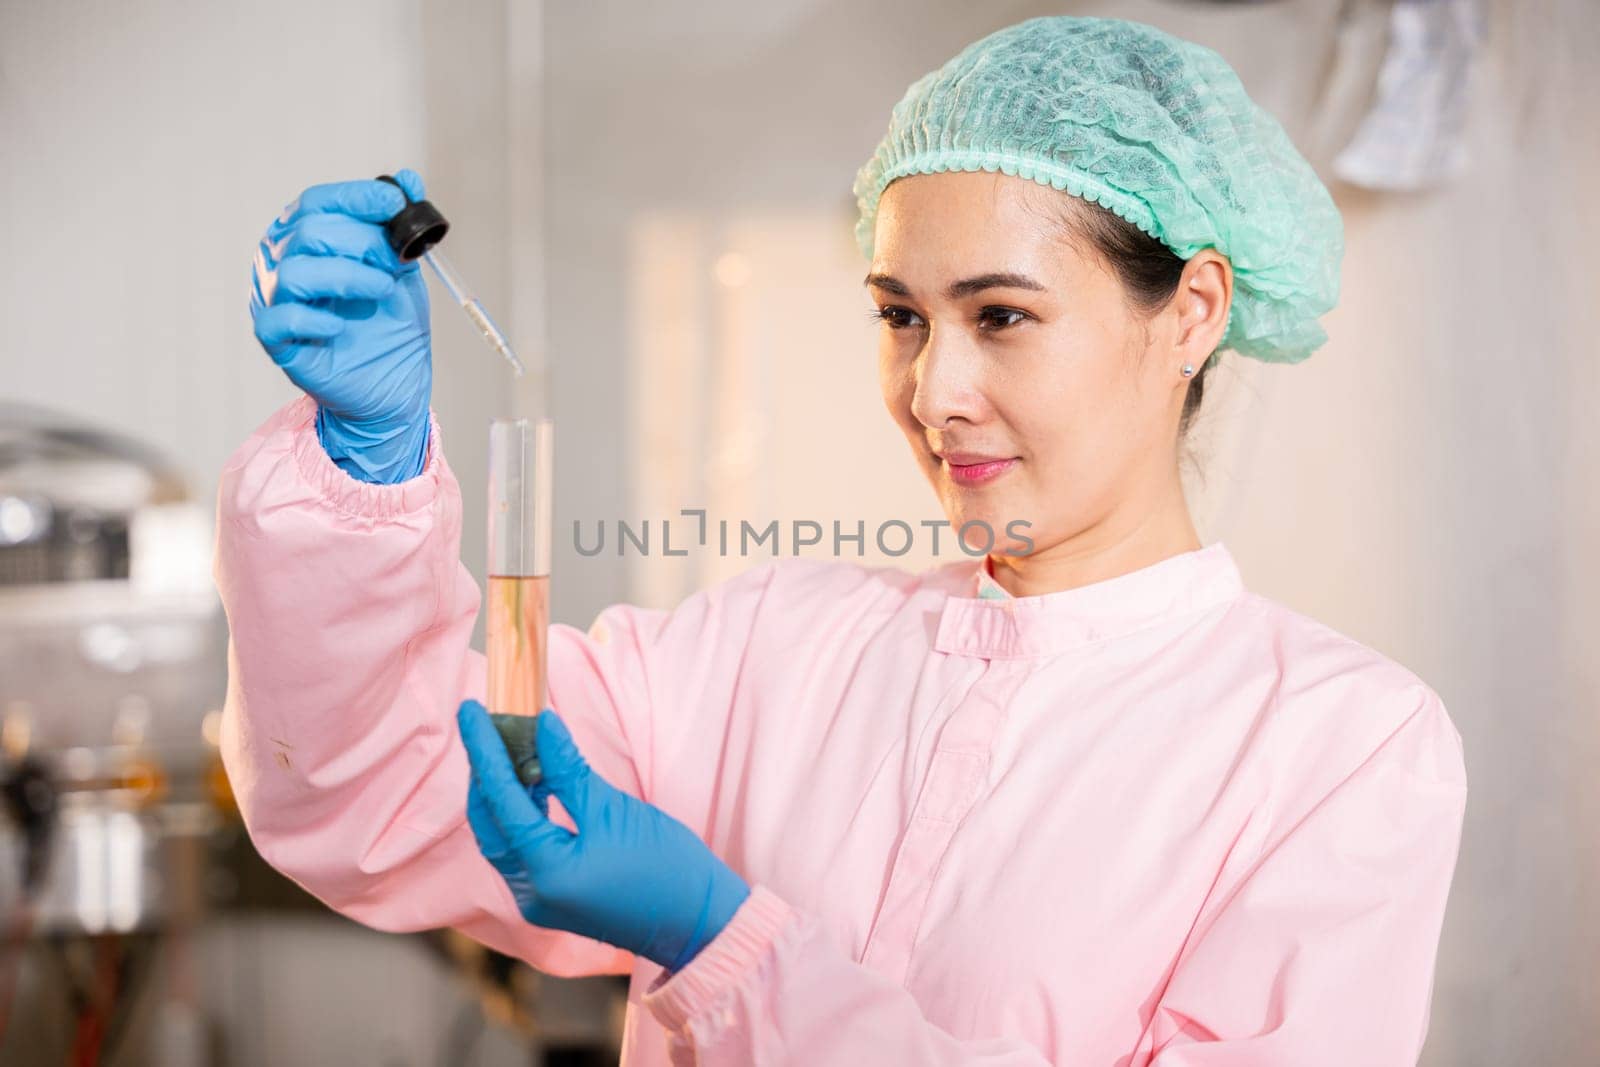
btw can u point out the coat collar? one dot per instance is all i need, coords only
(977, 622)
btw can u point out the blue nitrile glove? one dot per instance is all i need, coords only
(348, 323)
(632, 876)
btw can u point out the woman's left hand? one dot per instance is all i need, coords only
(632, 876)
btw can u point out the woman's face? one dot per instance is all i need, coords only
(1005, 342)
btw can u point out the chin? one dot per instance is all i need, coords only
(999, 515)
(960, 512)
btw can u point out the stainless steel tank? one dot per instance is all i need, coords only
(112, 654)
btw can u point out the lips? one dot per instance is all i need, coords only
(971, 468)
(969, 459)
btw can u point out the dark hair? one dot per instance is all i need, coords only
(1149, 270)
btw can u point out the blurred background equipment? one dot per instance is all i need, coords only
(122, 864)
(112, 650)
(111, 653)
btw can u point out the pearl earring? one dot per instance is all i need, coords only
(1188, 370)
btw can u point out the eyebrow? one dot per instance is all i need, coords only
(957, 290)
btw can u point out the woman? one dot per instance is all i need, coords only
(1096, 804)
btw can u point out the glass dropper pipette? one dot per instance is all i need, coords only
(413, 233)
(480, 318)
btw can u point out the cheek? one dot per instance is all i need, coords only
(1070, 415)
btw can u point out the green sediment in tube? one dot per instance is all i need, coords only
(518, 732)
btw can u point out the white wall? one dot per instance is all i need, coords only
(146, 146)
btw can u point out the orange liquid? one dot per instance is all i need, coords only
(519, 620)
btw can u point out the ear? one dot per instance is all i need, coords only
(1205, 292)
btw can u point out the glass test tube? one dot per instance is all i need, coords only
(520, 476)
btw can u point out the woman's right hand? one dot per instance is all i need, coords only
(347, 321)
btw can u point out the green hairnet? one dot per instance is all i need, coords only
(1154, 128)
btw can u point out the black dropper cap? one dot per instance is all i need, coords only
(417, 228)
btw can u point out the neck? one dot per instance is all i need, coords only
(1124, 541)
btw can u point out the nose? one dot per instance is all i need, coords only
(948, 382)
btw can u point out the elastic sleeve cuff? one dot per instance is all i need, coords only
(350, 496)
(676, 997)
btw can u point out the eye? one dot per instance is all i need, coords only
(896, 318)
(998, 318)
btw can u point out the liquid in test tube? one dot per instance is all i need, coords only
(520, 475)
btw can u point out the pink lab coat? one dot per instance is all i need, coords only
(1158, 820)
